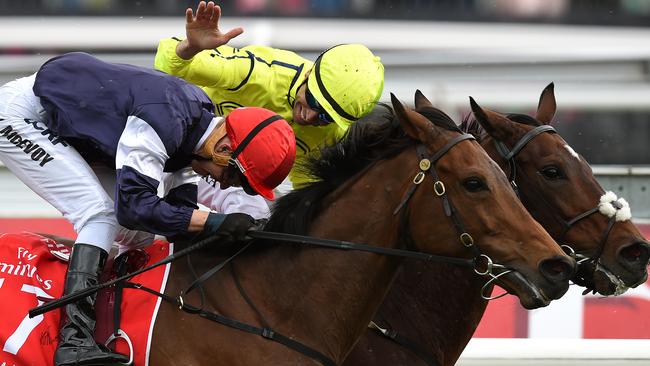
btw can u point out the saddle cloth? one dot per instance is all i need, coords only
(32, 268)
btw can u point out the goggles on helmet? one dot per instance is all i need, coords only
(323, 116)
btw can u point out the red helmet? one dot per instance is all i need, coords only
(264, 147)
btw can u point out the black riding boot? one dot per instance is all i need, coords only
(77, 344)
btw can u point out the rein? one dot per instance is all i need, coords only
(265, 332)
(480, 263)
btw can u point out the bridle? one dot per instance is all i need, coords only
(427, 165)
(509, 156)
(582, 260)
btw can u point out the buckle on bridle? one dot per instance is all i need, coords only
(466, 239)
(418, 178)
(439, 188)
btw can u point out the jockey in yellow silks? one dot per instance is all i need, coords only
(319, 100)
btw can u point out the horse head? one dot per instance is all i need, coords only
(558, 188)
(467, 196)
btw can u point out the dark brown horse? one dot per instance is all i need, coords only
(405, 183)
(437, 306)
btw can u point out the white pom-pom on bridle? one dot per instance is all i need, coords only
(612, 206)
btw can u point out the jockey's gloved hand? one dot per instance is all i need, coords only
(234, 225)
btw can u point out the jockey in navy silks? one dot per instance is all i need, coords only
(64, 127)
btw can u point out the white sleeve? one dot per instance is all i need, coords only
(178, 178)
(141, 148)
(231, 200)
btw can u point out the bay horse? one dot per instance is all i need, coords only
(435, 305)
(368, 192)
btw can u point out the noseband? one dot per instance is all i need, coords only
(427, 164)
(609, 200)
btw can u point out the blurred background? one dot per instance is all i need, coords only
(501, 52)
(598, 12)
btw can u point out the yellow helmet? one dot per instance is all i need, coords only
(347, 81)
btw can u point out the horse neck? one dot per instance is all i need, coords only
(436, 305)
(326, 297)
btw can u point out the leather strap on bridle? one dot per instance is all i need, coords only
(509, 156)
(603, 240)
(424, 166)
(428, 165)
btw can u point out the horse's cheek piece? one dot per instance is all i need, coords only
(612, 206)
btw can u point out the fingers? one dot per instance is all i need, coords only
(234, 33)
(216, 14)
(209, 10)
(189, 16)
(204, 11)
(201, 9)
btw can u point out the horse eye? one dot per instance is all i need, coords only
(474, 184)
(552, 172)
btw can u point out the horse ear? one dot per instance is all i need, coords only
(495, 124)
(414, 124)
(546, 107)
(421, 101)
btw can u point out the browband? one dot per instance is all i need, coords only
(509, 154)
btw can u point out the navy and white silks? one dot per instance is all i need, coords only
(61, 128)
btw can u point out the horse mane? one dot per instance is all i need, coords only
(470, 124)
(375, 137)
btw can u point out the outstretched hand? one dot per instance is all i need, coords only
(202, 31)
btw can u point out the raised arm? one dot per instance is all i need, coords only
(222, 69)
(202, 31)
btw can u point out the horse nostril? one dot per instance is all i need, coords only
(557, 269)
(637, 253)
